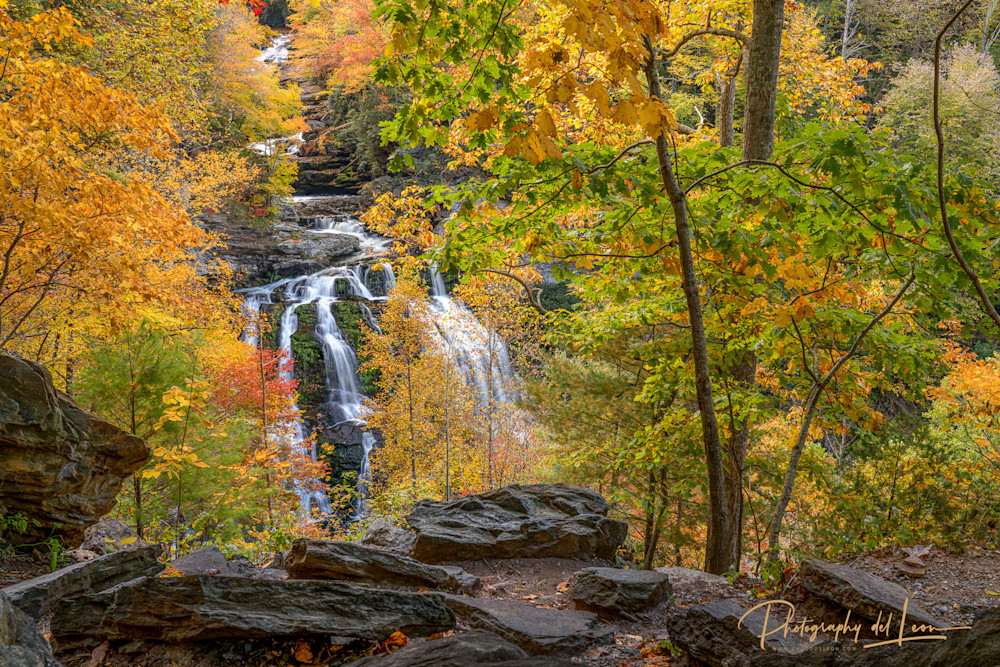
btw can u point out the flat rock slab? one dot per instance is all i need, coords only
(533, 521)
(465, 649)
(321, 559)
(185, 609)
(38, 597)
(537, 631)
(21, 644)
(714, 634)
(977, 647)
(609, 589)
(865, 594)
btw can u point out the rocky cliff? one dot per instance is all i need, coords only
(60, 466)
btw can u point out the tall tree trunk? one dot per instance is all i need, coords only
(717, 548)
(846, 38)
(413, 435)
(263, 420)
(762, 79)
(758, 144)
(727, 106)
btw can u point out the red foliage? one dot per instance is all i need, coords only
(237, 385)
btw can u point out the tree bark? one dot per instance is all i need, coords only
(762, 79)
(763, 59)
(717, 548)
(727, 106)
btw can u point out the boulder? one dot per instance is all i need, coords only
(536, 630)
(194, 608)
(534, 521)
(204, 560)
(21, 644)
(609, 589)
(242, 566)
(320, 559)
(464, 582)
(865, 594)
(109, 535)
(38, 597)
(278, 562)
(59, 465)
(714, 634)
(389, 537)
(978, 646)
(694, 586)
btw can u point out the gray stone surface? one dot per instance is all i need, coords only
(865, 594)
(466, 649)
(608, 589)
(977, 647)
(59, 465)
(714, 634)
(389, 537)
(194, 608)
(321, 559)
(108, 535)
(38, 597)
(21, 644)
(537, 631)
(204, 560)
(694, 586)
(534, 521)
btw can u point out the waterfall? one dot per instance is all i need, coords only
(344, 400)
(364, 474)
(479, 353)
(277, 53)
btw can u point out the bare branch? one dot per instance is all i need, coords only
(942, 201)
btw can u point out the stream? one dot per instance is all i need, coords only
(366, 279)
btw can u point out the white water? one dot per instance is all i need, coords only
(479, 353)
(277, 53)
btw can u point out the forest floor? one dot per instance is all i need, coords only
(954, 588)
(16, 568)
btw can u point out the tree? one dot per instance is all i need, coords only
(969, 103)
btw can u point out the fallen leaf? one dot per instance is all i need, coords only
(302, 651)
(563, 587)
(98, 654)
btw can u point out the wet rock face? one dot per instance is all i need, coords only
(58, 464)
(195, 608)
(284, 250)
(535, 521)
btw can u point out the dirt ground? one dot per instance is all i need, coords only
(955, 586)
(14, 569)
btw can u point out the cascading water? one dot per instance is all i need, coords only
(344, 405)
(480, 354)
